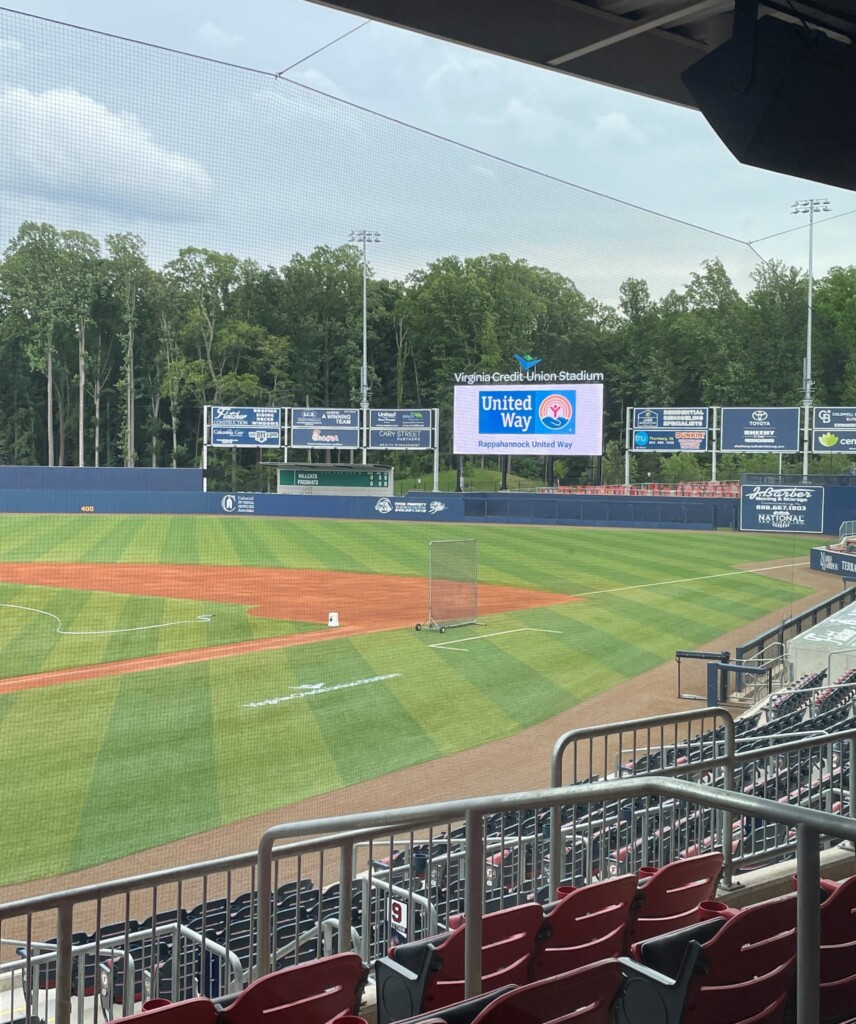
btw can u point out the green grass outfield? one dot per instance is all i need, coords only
(99, 769)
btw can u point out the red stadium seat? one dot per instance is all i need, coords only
(672, 895)
(190, 1011)
(734, 971)
(423, 976)
(310, 993)
(838, 951)
(589, 924)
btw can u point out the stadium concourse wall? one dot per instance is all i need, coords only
(67, 490)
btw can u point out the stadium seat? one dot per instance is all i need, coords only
(838, 950)
(419, 977)
(311, 993)
(723, 971)
(191, 1011)
(587, 925)
(672, 895)
(584, 996)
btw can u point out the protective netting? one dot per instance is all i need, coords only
(101, 135)
(452, 582)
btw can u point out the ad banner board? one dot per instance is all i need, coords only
(796, 508)
(749, 429)
(678, 418)
(833, 429)
(325, 428)
(841, 563)
(536, 420)
(676, 429)
(245, 427)
(400, 428)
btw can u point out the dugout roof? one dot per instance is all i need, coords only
(781, 63)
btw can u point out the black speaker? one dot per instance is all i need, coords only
(797, 114)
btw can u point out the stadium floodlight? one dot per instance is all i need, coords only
(811, 207)
(363, 237)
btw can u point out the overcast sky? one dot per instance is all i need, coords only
(646, 153)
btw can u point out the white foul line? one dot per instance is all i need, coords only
(691, 579)
(484, 636)
(104, 632)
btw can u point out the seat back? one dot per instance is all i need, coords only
(589, 924)
(191, 1011)
(672, 895)
(749, 966)
(583, 996)
(508, 944)
(310, 993)
(838, 950)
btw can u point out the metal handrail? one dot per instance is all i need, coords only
(718, 719)
(809, 824)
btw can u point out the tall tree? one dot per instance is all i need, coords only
(128, 273)
(83, 275)
(32, 278)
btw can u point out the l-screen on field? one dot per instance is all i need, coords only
(164, 676)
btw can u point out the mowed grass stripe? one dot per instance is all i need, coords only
(447, 709)
(50, 740)
(32, 538)
(167, 786)
(121, 534)
(265, 755)
(375, 716)
(28, 638)
(78, 611)
(248, 546)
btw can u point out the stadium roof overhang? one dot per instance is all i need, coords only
(776, 78)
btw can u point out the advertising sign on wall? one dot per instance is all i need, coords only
(662, 429)
(245, 427)
(541, 420)
(325, 428)
(400, 428)
(833, 429)
(788, 508)
(749, 429)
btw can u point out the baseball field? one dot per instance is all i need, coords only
(162, 676)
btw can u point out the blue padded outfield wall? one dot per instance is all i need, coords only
(69, 478)
(179, 492)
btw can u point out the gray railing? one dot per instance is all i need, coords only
(809, 768)
(469, 847)
(792, 627)
(808, 825)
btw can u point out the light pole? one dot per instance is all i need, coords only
(363, 238)
(811, 207)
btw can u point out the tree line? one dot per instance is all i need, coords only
(110, 361)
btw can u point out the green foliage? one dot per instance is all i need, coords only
(108, 360)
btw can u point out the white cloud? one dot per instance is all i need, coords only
(61, 144)
(10, 45)
(214, 39)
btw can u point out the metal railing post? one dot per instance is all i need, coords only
(62, 1012)
(808, 925)
(473, 904)
(851, 749)
(264, 908)
(346, 879)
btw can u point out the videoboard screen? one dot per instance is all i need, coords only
(543, 420)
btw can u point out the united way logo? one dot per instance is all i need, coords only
(556, 412)
(228, 503)
(384, 506)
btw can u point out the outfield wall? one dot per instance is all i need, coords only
(488, 507)
(44, 478)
